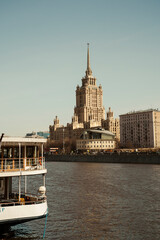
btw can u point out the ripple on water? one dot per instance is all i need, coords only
(97, 201)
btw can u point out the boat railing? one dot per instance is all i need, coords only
(21, 164)
(26, 199)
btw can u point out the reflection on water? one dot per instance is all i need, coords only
(97, 201)
(21, 231)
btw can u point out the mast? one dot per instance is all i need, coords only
(1, 140)
(1, 137)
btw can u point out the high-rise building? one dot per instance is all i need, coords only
(140, 129)
(89, 99)
(88, 112)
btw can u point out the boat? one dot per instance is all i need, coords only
(21, 158)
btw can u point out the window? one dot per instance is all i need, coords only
(1, 184)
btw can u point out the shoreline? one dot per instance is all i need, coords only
(136, 158)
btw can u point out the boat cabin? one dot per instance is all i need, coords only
(20, 157)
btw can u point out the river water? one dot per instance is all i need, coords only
(97, 201)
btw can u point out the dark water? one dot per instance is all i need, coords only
(93, 201)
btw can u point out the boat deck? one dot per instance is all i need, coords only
(26, 199)
(21, 164)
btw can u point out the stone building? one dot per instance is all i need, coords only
(112, 124)
(140, 129)
(89, 111)
(89, 99)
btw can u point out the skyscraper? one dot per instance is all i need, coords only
(88, 112)
(89, 99)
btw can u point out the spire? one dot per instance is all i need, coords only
(88, 71)
(88, 59)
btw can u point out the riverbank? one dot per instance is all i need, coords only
(137, 158)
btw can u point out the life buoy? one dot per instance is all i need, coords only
(40, 161)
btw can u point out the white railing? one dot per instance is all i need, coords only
(21, 164)
(26, 199)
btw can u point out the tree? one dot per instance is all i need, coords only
(69, 145)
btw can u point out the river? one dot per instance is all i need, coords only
(97, 201)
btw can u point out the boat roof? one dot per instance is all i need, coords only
(22, 140)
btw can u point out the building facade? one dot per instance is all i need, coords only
(96, 139)
(112, 124)
(140, 129)
(41, 134)
(89, 99)
(89, 111)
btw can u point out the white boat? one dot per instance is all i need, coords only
(21, 158)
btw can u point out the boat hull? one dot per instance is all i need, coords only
(12, 215)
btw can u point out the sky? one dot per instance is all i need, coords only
(43, 57)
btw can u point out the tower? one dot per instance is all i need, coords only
(109, 114)
(89, 98)
(112, 124)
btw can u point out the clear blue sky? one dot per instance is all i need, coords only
(43, 48)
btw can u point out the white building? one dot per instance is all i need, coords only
(140, 129)
(96, 139)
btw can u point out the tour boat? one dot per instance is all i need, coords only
(21, 158)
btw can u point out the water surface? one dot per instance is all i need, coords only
(97, 201)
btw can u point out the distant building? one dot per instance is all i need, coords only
(89, 100)
(41, 134)
(112, 124)
(96, 139)
(59, 132)
(140, 129)
(44, 134)
(89, 111)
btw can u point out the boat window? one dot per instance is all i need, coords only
(5, 154)
(30, 151)
(16, 152)
(1, 184)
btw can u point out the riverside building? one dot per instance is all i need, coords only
(96, 139)
(140, 129)
(89, 111)
(112, 124)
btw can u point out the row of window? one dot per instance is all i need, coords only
(135, 117)
(114, 124)
(94, 146)
(95, 142)
(113, 129)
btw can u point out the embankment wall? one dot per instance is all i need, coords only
(137, 158)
